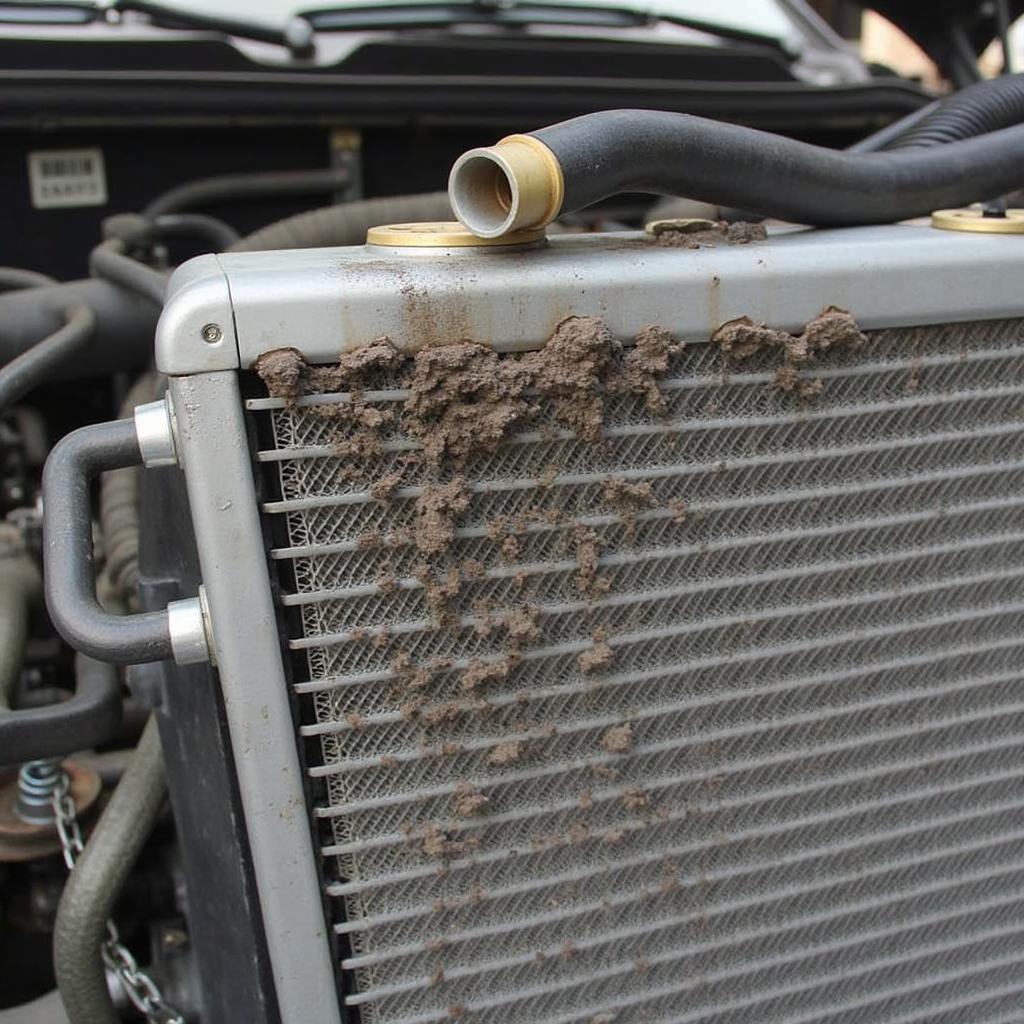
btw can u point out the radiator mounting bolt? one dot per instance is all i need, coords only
(212, 334)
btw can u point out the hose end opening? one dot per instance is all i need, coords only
(513, 186)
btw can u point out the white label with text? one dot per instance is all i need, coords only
(67, 177)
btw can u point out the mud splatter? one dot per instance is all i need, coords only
(569, 369)
(635, 799)
(598, 656)
(468, 800)
(522, 625)
(507, 752)
(644, 365)
(288, 376)
(384, 488)
(788, 379)
(438, 509)
(589, 582)
(464, 399)
(438, 844)
(442, 592)
(628, 499)
(479, 672)
(694, 233)
(832, 328)
(618, 739)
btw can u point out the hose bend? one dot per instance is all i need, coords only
(614, 151)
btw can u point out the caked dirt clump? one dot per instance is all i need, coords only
(833, 328)
(288, 376)
(569, 370)
(507, 752)
(587, 544)
(597, 656)
(618, 739)
(358, 425)
(628, 499)
(438, 510)
(468, 800)
(479, 673)
(697, 233)
(464, 398)
(644, 365)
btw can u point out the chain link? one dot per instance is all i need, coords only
(140, 988)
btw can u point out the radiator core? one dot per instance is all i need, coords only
(791, 790)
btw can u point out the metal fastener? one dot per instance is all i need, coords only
(212, 334)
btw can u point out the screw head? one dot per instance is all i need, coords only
(212, 334)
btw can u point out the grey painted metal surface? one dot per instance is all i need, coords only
(326, 300)
(215, 456)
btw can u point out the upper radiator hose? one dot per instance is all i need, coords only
(525, 181)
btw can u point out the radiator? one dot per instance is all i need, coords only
(713, 716)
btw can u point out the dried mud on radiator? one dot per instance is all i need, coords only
(644, 676)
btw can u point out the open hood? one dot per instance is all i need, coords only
(952, 32)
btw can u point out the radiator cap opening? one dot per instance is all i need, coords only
(444, 235)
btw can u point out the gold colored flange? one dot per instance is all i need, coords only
(443, 235)
(972, 219)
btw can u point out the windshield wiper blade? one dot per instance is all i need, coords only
(31, 12)
(296, 36)
(514, 14)
(429, 15)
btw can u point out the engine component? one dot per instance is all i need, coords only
(623, 677)
(526, 180)
(346, 224)
(85, 939)
(36, 366)
(967, 113)
(195, 195)
(179, 631)
(87, 719)
(28, 836)
(124, 322)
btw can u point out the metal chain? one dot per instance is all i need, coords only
(140, 988)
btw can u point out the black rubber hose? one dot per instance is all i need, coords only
(37, 365)
(12, 278)
(974, 110)
(236, 187)
(91, 717)
(97, 879)
(199, 226)
(346, 224)
(119, 504)
(109, 262)
(69, 577)
(675, 154)
(881, 139)
(125, 323)
(20, 590)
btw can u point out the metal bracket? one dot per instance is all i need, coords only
(154, 430)
(69, 576)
